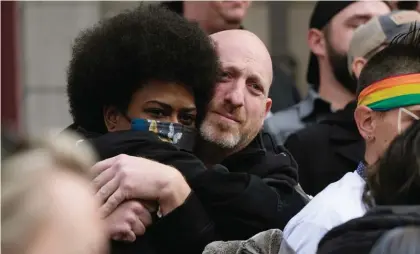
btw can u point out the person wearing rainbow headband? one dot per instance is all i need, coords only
(391, 93)
(388, 103)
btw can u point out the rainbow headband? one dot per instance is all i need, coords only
(395, 92)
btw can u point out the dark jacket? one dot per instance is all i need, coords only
(360, 235)
(325, 152)
(249, 193)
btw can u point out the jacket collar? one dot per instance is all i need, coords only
(256, 147)
(253, 154)
(344, 135)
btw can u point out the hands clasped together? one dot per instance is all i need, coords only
(131, 188)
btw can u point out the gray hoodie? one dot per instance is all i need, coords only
(267, 242)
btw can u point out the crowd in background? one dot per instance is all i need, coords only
(186, 138)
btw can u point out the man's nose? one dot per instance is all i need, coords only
(235, 95)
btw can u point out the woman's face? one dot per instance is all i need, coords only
(161, 101)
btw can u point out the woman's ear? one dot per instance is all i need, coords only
(112, 118)
(365, 122)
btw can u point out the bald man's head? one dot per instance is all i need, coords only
(237, 111)
(244, 44)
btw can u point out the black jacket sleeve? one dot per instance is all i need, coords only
(251, 193)
(243, 204)
(187, 229)
(225, 206)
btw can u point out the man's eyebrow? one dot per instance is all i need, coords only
(364, 17)
(257, 77)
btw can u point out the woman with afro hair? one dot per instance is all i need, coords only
(139, 84)
(148, 63)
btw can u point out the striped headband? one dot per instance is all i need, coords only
(395, 92)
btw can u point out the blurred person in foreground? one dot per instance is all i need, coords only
(392, 197)
(399, 240)
(47, 203)
(328, 150)
(388, 103)
(217, 16)
(331, 87)
(150, 103)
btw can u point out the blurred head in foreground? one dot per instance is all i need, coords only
(46, 200)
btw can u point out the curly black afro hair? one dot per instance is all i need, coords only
(113, 59)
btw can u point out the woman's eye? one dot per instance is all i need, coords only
(156, 112)
(187, 120)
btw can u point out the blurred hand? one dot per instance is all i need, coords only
(126, 177)
(129, 220)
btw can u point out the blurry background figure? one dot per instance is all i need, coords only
(405, 5)
(399, 240)
(40, 185)
(375, 36)
(331, 87)
(328, 150)
(212, 16)
(37, 38)
(216, 16)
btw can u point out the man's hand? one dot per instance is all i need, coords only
(129, 219)
(126, 177)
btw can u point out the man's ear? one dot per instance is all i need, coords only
(365, 122)
(111, 118)
(357, 65)
(316, 42)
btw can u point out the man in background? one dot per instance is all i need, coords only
(330, 85)
(328, 150)
(216, 16)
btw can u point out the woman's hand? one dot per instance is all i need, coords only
(129, 220)
(124, 177)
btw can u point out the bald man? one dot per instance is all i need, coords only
(240, 103)
(245, 187)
